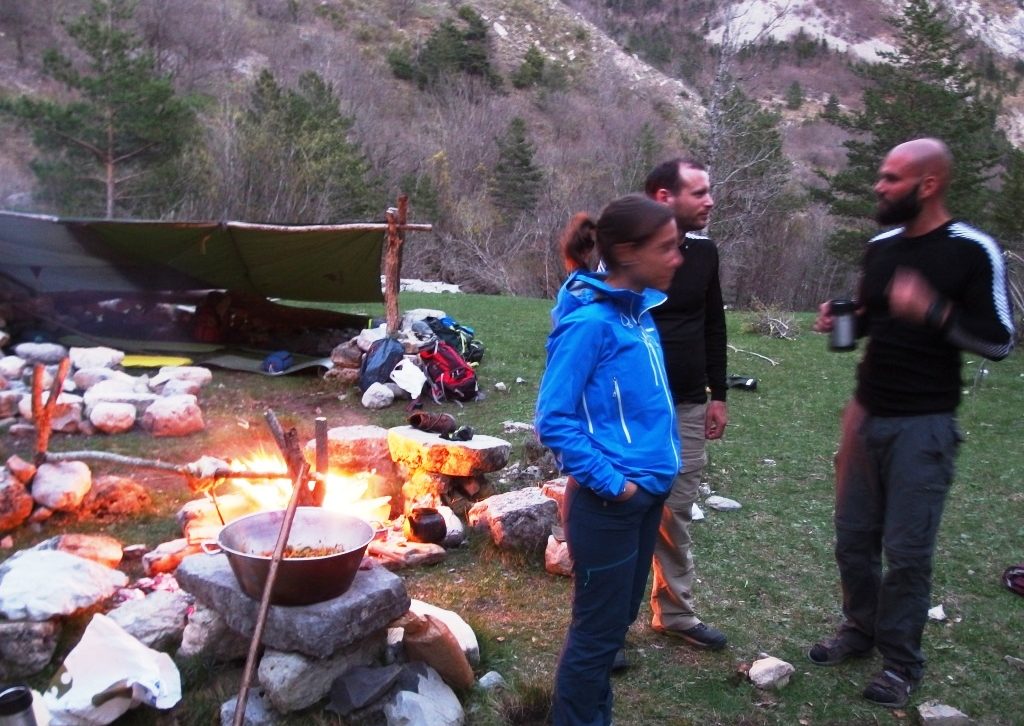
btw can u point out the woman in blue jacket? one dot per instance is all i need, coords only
(606, 411)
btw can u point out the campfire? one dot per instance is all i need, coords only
(345, 492)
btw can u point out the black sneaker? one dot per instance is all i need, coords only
(890, 689)
(833, 651)
(620, 663)
(701, 636)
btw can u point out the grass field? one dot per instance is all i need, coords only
(767, 577)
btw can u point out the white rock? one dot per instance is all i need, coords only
(196, 374)
(41, 584)
(500, 386)
(367, 337)
(173, 416)
(378, 396)
(459, 628)
(770, 672)
(937, 613)
(722, 504)
(157, 620)
(67, 413)
(12, 366)
(45, 353)
(61, 486)
(455, 530)
(557, 559)
(178, 386)
(98, 357)
(113, 418)
(492, 680)
(695, 512)
(86, 378)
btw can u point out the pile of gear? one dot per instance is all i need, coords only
(432, 355)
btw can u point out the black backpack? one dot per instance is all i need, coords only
(379, 361)
(460, 337)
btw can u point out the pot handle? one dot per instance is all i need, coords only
(210, 547)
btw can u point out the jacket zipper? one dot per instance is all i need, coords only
(622, 414)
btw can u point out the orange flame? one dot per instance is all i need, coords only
(344, 492)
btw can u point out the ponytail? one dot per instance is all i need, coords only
(578, 242)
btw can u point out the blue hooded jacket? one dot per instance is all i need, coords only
(605, 407)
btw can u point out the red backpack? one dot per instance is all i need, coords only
(450, 376)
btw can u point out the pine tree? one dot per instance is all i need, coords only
(531, 72)
(100, 151)
(1007, 220)
(794, 96)
(516, 179)
(300, 163)
(923, 88)
(831, 111)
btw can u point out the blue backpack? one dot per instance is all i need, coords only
(379, 361)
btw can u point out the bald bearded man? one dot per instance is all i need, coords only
(930, 288)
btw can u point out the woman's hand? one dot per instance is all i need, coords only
(628, 491)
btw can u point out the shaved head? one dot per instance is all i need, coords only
(928, 157)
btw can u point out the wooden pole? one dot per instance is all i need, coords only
(42, 414)
(322, 462)
(291, 454)
(393, 260)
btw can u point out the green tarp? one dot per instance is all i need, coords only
(339, 263)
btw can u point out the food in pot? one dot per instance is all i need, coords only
(306, 551)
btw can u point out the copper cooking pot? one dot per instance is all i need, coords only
(249, 543)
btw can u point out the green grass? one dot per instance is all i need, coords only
(767, 577)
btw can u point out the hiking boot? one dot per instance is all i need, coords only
(435, 423)
(700, 636)
(890, 689)
(620, 663)
(833, 651)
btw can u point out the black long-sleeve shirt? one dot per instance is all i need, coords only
(691, 324)
(912, 369)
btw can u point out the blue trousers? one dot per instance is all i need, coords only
(892, 478)
(611, 544)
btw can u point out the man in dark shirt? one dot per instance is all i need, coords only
(929, 289)
(691, 324)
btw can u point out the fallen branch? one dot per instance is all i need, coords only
(756, 355)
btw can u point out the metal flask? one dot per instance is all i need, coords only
(16, 706)
(844, 327)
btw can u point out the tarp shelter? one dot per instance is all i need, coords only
(336, 263)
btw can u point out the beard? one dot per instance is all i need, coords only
(899, 210)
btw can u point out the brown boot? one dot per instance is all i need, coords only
(435, 423)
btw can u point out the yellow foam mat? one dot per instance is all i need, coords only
(154, 361)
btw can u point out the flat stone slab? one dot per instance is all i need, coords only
(375, 598)
(423, 450)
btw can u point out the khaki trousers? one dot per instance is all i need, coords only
(672, 593)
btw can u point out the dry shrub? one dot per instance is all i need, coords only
(771, 322)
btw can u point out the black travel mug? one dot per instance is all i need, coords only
(16, 706)
(844, 324)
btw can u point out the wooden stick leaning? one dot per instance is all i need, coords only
(289, 448)
(42, 414)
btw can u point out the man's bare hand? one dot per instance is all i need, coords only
(910, 294)
(716, 420)
(823, 323)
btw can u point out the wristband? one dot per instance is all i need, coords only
(933, 318)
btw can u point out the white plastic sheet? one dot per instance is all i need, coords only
(107, 673)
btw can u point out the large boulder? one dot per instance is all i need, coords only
(15, 502)
(520, 519)
(42, 584)
(428, 451)
(174, 416)
(61, 486)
